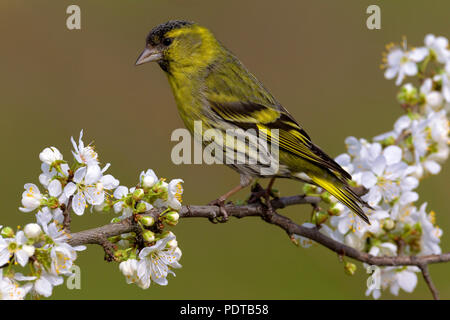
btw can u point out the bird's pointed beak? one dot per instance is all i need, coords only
(148, 55)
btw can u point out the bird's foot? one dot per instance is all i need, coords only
(259, 192)
(223, 215)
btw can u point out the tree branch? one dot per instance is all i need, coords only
(429, 281)
(93, 236)
(66, 214)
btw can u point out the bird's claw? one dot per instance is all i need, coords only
(256, 193)
(223, 215)
(259, 192)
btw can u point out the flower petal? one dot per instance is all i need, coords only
(120, 192)
(79, 203)
(22, 257)
(93, 174)
(54, 188)
(379, 165)
(43, 287)
(79, 175)
(407, 280)
(368, 179)
(392, 154)
(70, 189)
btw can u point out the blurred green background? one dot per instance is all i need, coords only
(317, 57)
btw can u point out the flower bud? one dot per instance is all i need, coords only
(325, 196)
(7, 232)
(335, 209)
(389, 224)
(32, 230)
(120, 254)
(115, 220)
(320, 217)
(388, 141)
(28, 249)
(147, 221)
(408, 94)
(50, 155)
(148, 236)
(141, 207)
(148, 181)
(172, 244)
(138, 194)
(172, 218)
(350, 268)
(309, 188)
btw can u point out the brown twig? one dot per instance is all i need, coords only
(108, 247)
(429, 281)
(290, 227)
(66, 214)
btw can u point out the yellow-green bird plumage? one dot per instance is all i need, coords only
(212, 86)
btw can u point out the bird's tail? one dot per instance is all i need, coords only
(341, 191)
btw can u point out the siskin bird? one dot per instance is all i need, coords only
(212, 86)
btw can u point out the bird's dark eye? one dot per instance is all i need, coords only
(167, 41)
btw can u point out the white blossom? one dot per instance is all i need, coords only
(401, 63)
(148, 178)
(84, 154)
(50, 155)
(121, 193)
(48, 174)
(45, 283)
(14, 248)
(364, 153)
(387, 178)
(174, 191)
(63, 255)
(46, 215)
(10, 290)
(439, 45)
(157, 261)
(396, 278)
(129, 270)
(31, 198)
(431, 234)
(88, 187)
(433, 99)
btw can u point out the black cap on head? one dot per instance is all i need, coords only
(158, 32)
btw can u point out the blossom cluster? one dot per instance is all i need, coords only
(43, 248)
(390, 167)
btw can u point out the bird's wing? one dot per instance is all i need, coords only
(291, 137)
(236, 96)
